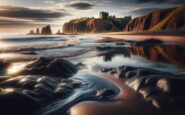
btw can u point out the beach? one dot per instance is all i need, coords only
(91, 74)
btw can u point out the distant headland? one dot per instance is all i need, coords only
(105, 23)
(171, 19)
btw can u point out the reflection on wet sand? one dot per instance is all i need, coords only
(117, 108)
(107, 56)
(171, 54)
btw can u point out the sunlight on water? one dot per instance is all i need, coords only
(16, 67)
(8, 55)
(7, 90)
(5, 45)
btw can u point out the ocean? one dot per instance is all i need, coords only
(84, 49)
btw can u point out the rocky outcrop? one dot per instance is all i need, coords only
(3, 66)
(163, 90)
(168, 19)
(44, 66)
(24, 95)
(92, 25)
(41, 90)
(46, 30)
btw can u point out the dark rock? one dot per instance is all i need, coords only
(24, 95)
(27, 84)
(3, 66)
(46, 30)
(172, 85)
(43, 66)
(149, 42)
(163, 90)
(14, 102)
(30, 53)
(105, 93)
(104, 48)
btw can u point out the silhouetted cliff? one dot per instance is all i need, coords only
(86, 25)
(168, 19)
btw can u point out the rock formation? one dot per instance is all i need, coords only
(3, 66)
(44, 88)
(44, 66)
(163, 90)
(168, 19)
(24, 95)
(31, 32)
(93, 25)
(37, 31)
(46, 30)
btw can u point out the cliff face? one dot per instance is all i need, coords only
(93, 25)
(169, 19)
(46, 30)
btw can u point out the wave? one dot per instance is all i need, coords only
(27, 39)
(33, 43)
(33, 48)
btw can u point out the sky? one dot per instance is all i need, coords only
(19, 16)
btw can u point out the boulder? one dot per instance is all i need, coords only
(24, 95)
(49, 67)
(163, 90)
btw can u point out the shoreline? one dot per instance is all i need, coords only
(153, 33)
(178, 37)
(106, 79)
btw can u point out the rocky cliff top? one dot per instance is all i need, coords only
(93, 25)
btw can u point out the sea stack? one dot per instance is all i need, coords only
(37, 31)
(46, 30)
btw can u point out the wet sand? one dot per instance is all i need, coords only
(164, 36)
(128, 102)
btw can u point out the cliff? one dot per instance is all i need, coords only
(92, 25)
(168, 19)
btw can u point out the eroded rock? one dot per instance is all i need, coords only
(24, 95)
(3, 66)
(164, 90)
(49, 67)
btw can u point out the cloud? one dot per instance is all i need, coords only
(137, 11)
(49, 2)
(81, 5)
(161, 1)
(29, 13)
(143, 11)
